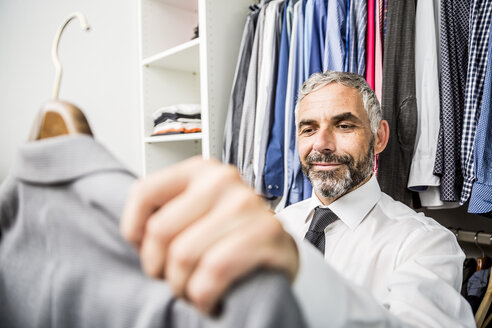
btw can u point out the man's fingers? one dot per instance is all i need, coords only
(260, 244)
(187, 248)
(179, 213)
(147, 195)
(163, 226)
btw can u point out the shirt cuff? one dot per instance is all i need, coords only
(321, 304)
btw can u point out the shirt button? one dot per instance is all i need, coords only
(270, 187)
(276, 187)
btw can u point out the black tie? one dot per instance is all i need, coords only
(316, 233)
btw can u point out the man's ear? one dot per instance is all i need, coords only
(382, 137)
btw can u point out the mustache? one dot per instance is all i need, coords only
(328, 158)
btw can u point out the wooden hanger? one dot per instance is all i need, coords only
(57, 117)
(487, 321)
(485, 304)
(481, 261)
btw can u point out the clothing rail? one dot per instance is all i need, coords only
(481, 237)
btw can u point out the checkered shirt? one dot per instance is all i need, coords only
(481, 11)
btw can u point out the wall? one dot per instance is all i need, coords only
(100, 71)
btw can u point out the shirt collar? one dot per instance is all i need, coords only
(354, 206)
(63, 159)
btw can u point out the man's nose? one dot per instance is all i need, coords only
(325, 141)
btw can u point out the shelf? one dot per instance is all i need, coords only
(174, 137)
(184, 57)
(188, 5)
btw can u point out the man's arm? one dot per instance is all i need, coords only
(421, 293)
(201, 228)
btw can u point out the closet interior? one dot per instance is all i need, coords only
(190, 56)
(188, 50)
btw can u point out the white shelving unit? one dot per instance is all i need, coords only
(176, 69)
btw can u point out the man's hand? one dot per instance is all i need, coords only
(201, 228)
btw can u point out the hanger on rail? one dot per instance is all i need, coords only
(58, 117)
(482, 260)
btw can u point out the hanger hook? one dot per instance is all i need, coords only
(476, 243)
(54, 52)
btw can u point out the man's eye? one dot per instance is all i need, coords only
(345, 126)
(307, 131)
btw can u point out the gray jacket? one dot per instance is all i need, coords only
(64, 264)
(398, 103)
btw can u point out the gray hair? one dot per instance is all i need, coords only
(319, 80)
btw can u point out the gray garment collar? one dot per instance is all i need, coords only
(63, 159)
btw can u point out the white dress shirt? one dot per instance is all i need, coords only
(388, 265)
(427, 94)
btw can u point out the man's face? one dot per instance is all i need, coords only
(336, 145)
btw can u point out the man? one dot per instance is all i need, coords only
(198, 226)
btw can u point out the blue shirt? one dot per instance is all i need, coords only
(312, 62)
(314, 36)
(481, 195)
(314, 41)
(336, 25)
(274, 159)
(294, 183)
(356, 56)
(480, 18)
(347, 37)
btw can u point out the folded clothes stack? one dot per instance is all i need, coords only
(174, 119)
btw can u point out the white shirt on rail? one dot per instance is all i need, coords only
(388, 265)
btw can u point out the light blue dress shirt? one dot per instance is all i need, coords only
(312, 62)
(295, 182)
(336, 26)
(356, 56)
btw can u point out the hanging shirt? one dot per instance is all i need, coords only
(348, 26)
(336, 25)
(371, 43)
(314, 46)
(314, 36)
(290, 17)
(296, 178)
(478, 48)
(356, 55)
(454, 61)
(274, 160)
(384, 265)
(310, 59)
(265, 101)
(247, 127)
(398, 102)
(290, 99)
(431, 197)
(476, 288)
(421, 177)
(378, 55)
(481, 195)
(235, 109)
(65, 264)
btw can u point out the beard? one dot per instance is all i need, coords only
(336, 182)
